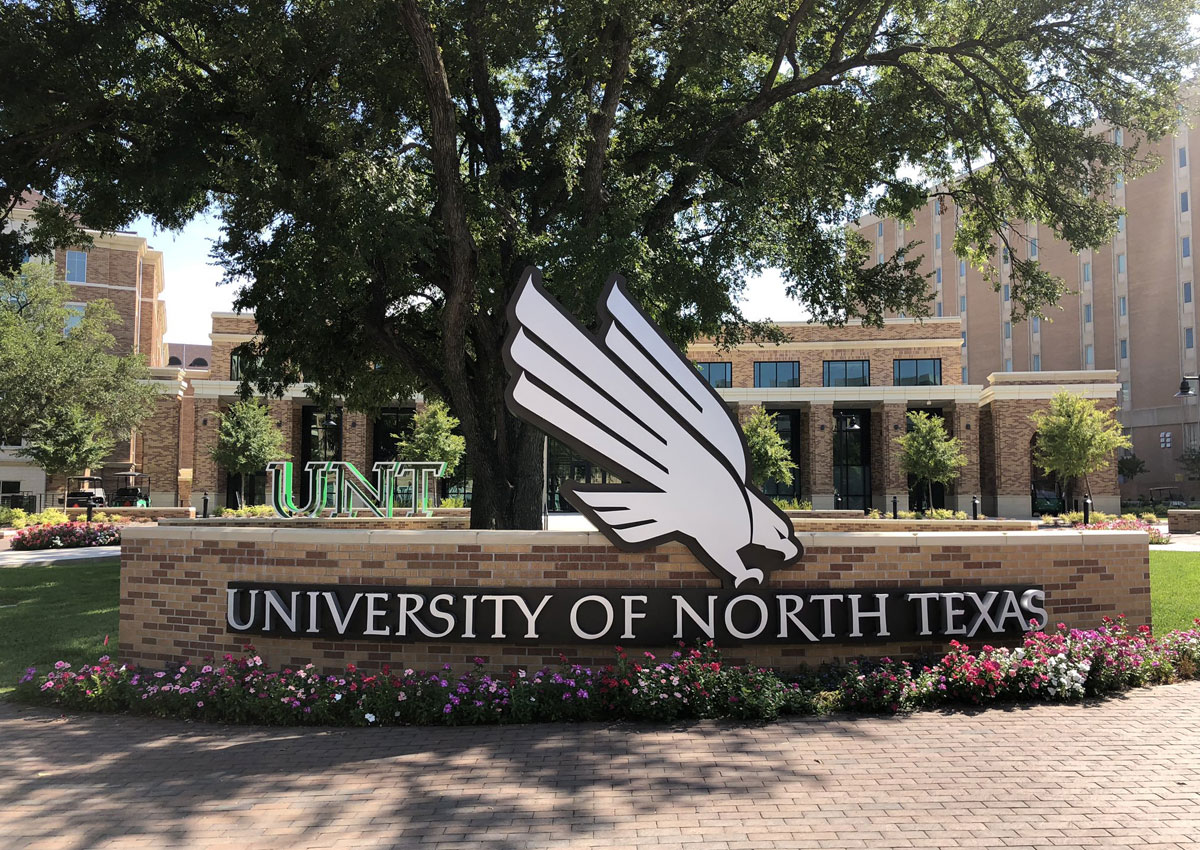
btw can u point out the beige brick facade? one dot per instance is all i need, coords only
(173, 583)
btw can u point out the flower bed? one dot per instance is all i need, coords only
(1055, 666)
(1125, 524)
(67, 535)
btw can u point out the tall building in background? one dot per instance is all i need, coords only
(1130, 309)
(123, 269)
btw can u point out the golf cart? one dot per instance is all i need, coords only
(85, 490)
(134, 491)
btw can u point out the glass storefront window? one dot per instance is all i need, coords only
(718, 375)
(846, 373)
(771, 374)
(917, 373)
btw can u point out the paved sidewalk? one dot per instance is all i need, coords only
(42, 557)
(1119, 773)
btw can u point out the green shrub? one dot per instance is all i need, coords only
(50, 516)
(793, 504)
(1148, 516)
(6, 515)
(453, 502)
(907, 515)
(944, 513)
(247, 511)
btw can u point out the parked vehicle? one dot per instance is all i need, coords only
(84, 491)
(134, 492)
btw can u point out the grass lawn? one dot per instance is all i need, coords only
(64, 612)
(57, 612)
(1174, 589)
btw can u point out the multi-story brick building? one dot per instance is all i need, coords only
(1130, 309)
(840, 394)
(124, 270)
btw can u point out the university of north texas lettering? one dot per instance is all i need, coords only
(651, 617)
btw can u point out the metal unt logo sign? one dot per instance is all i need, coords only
(627, 399)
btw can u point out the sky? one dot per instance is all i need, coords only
(192, 293)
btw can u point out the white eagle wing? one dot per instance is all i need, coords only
(576, 391)
(634, 340)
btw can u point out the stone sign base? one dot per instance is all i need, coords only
(174, 583)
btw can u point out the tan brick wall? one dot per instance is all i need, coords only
(234, 325)
(962, 421)
(1183, 522)
(205, 477)
(355, 448)
(812, 361)
(173, 583)
(817, 467)
(159, 445)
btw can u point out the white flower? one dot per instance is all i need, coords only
(337, 697)
(370, 718)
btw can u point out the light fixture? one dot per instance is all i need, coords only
(1185, 389)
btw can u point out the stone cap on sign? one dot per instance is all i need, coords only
(469, 537)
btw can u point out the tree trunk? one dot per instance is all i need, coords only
(929, 495)
(241, 494)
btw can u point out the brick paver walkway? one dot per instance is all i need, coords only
(1124, 772)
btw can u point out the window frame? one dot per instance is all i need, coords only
(865, 376)
(67, 266)
(705, 369)
(775, 364)
(900, 364)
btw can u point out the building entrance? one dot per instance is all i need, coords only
(852, 459)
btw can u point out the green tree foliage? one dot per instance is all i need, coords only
(1076, 438)
(385, 170)
(1131, 466)
(928, 453)
(62, 390)
(432, 436)
(770, 457)
(1190, 461)
(247, 441)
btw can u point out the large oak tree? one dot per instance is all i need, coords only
(384, 169)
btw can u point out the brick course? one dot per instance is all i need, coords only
(173, 582)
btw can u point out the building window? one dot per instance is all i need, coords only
(1183, 202)
(1037, 324)
(75, 311)
(1187, 292)
(1008, 330)
(879, 229)
(1037, 362)
(964, 377)
(198, 363)
(1087, 272)
(881, 259)
(1089, 356)
(1123, 305)
(769, 374)
(1126, 398)
(718, 375)
(1124, 349)
(1120, 264)
(917, 373)
(1187, 246)
(939, 309)
(1118, 137)
(1189, 339)
(1120, 180)
(1164, 439)
(1004, 256)
(1183, 157)
(1006, 292)
(238, 364)
(76, 267)
(962, 268)
(1007, 364)
(174, 361)
(1033, 248)
(939, 276)
(846, 373)
(964, 337)
(1087, 314)
(962, 303)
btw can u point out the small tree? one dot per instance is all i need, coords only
(1131, 466)
(1190, 461)
(928, 453)
(1076, 438)
(431, 436)
(247, 441)
(62, 390)
(770, 458)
